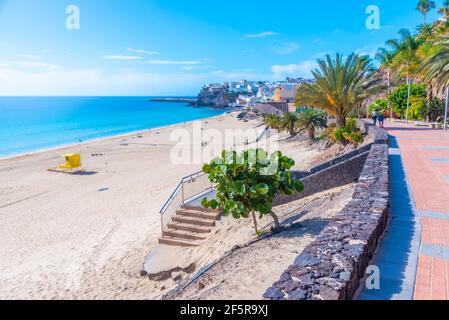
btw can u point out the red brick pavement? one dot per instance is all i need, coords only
(430, 189)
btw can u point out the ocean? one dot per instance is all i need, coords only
(33, 123)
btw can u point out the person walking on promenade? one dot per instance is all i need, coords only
(375, 116)
(381, 119)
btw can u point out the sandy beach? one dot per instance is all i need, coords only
(85, 235)
(246, 272)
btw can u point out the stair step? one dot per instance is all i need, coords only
(189, 235)
(188, 227)
(172, 241)
(194, 221)
(198, 214)
(200, 209)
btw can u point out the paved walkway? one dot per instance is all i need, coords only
(425, 157)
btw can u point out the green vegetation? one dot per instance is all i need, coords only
(421, 59)
(380, 105)
(272, 121)
(399, 98)
(310, 120)
(425, 6)
(350, 133)
(340, 85)
(289, 123)
(433, 110)
(247, 183)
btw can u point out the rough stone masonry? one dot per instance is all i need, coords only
(331, 267)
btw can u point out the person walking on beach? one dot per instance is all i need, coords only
(375, 116)
(381, 119)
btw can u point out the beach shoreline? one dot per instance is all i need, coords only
(85, 235)
(113, 137)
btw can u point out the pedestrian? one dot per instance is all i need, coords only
(381, 119)
(375, 117)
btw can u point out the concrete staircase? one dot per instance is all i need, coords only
(189, 227)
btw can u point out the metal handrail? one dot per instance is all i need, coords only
(176, 194)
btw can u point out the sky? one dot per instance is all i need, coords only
(172, 48)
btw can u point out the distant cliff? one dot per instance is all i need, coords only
(216, 96)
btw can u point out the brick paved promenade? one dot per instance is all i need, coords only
(425, 156)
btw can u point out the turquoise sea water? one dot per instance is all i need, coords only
(33, 123)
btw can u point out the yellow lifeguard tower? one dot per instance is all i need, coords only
(72, 162)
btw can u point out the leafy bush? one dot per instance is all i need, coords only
(351, 124)
(272, 121)
(248, 182)
(433, 109)
(416, 108)
(398, 97)
(380, 105)
(348, 134)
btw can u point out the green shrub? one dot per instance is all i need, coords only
(416, 108)
(398, 97)
(349, 134)
(248, 182)
(433, 109)
(351, 124)
(380, 105)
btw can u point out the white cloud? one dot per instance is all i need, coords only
(302, 69)
(141, 51)
(286, 48)
(37, 64)
(124, 82)
(91, 82)
(30, 56)
(370, 50)
(122, 58)
(261, 34)
(175, 62)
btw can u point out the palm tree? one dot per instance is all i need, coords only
(272, 121)
(386, 57)
(407, 59)
(340, 85)
(444, 10)
(289, 122)
(424, 31)
(436, 67)
(310, 120)
(425, 6)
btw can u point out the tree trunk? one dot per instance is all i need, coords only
(430, 94)
(276, 225)
(292, 133)
(311, 133)
(341, 121)
(255, 222)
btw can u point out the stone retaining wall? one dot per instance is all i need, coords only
(347, 156)
(332, 176)
(331, 267)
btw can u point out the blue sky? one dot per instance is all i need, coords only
(145, 47)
